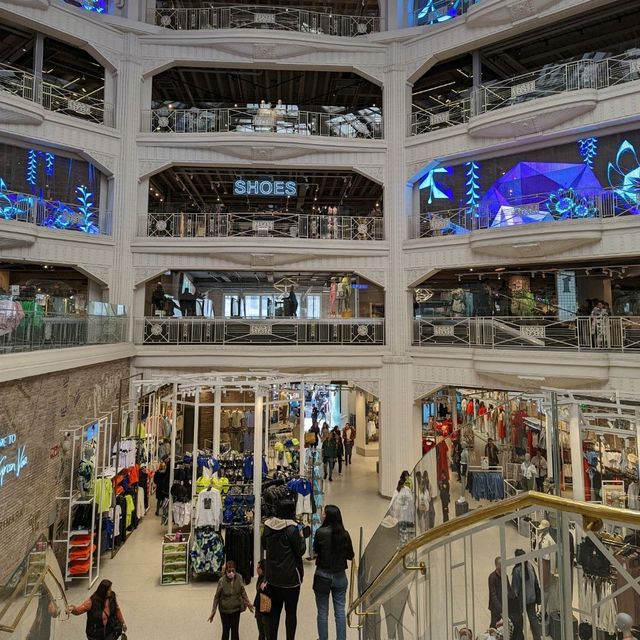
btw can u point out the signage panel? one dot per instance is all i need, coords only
(265, 188)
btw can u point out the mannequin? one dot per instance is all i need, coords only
(333, 293)
(344, 288)
(624, 623)
(85, 470)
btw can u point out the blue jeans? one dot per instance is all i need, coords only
(339, 585)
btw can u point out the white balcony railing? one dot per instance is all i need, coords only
(264, 17)
(275, 331)
(53, 214)
(259, 225)
(551, 80)
(567, 204)
(365, 123)
(54, 98)
(578, 334)
(29, 331)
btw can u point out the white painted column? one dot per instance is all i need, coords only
(194, 469)
(400, 426)
(257, 470)
(174, 421)
(126, 185)
(301, 436)
(217, 410)
(576, 452)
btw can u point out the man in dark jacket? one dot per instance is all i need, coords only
(284, 545)
(495, 593)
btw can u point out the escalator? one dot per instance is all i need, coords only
(414, 580)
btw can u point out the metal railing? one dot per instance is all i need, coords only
(53, 214)
(604, 333)
(275, 331)
(364, 123)
(566, 204)
(54, 98)
(264, 17)
(259, 225)
(550, 80)
(29, 331)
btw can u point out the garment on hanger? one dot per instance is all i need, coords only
(207, 553)
(208, 509)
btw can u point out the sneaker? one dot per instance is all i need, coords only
(330, 479)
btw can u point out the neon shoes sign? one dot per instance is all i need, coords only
(265, 188)
(12, 466)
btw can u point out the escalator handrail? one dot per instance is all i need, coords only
(588, 510)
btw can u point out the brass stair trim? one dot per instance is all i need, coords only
(590, 512)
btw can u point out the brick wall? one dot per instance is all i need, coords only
(37, 410)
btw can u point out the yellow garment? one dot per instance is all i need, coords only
(221, 484)
(142, 432)
(104, 493)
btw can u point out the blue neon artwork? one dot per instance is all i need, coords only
(624, 174)
(435, 11)
(13, 206)
(49, 163)
(566, 204)
(517, 197)
(86, 210)
(436, 190)
(588, 148)
(472, 183)
(97, 6)
(32, 167)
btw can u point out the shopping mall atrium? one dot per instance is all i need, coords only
(265, 257)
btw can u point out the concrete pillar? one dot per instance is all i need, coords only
(126, 186)
(576, 452)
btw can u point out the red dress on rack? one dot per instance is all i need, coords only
(442, 460)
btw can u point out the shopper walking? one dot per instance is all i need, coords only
(339, 448)
(329, 455)
(525, 573)
(262, 618)
(402, 506)
(104, 616)
(333, 547)
(231, 598)
(540, 463)
(495, 593)
(445, 496)
(491, 452)
(349, 437)
(325, 432)
(284, 545)
(161, 480)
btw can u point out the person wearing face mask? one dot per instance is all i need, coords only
(231, 598)
(529, 473)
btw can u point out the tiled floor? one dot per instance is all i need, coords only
(172, 612)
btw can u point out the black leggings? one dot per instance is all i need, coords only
(230, 625)
(289, 599)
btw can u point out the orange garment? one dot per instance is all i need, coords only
(134, 474)
(86, 606)
(81, 553)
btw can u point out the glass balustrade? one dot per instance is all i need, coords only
(364, 123)
(28, 329)
(551, 80)
(55, 98)
(566, 567)
(538, 208)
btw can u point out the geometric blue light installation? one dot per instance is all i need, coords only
(624, 174)
(473, 183)
(97, 6)
(531, 183)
